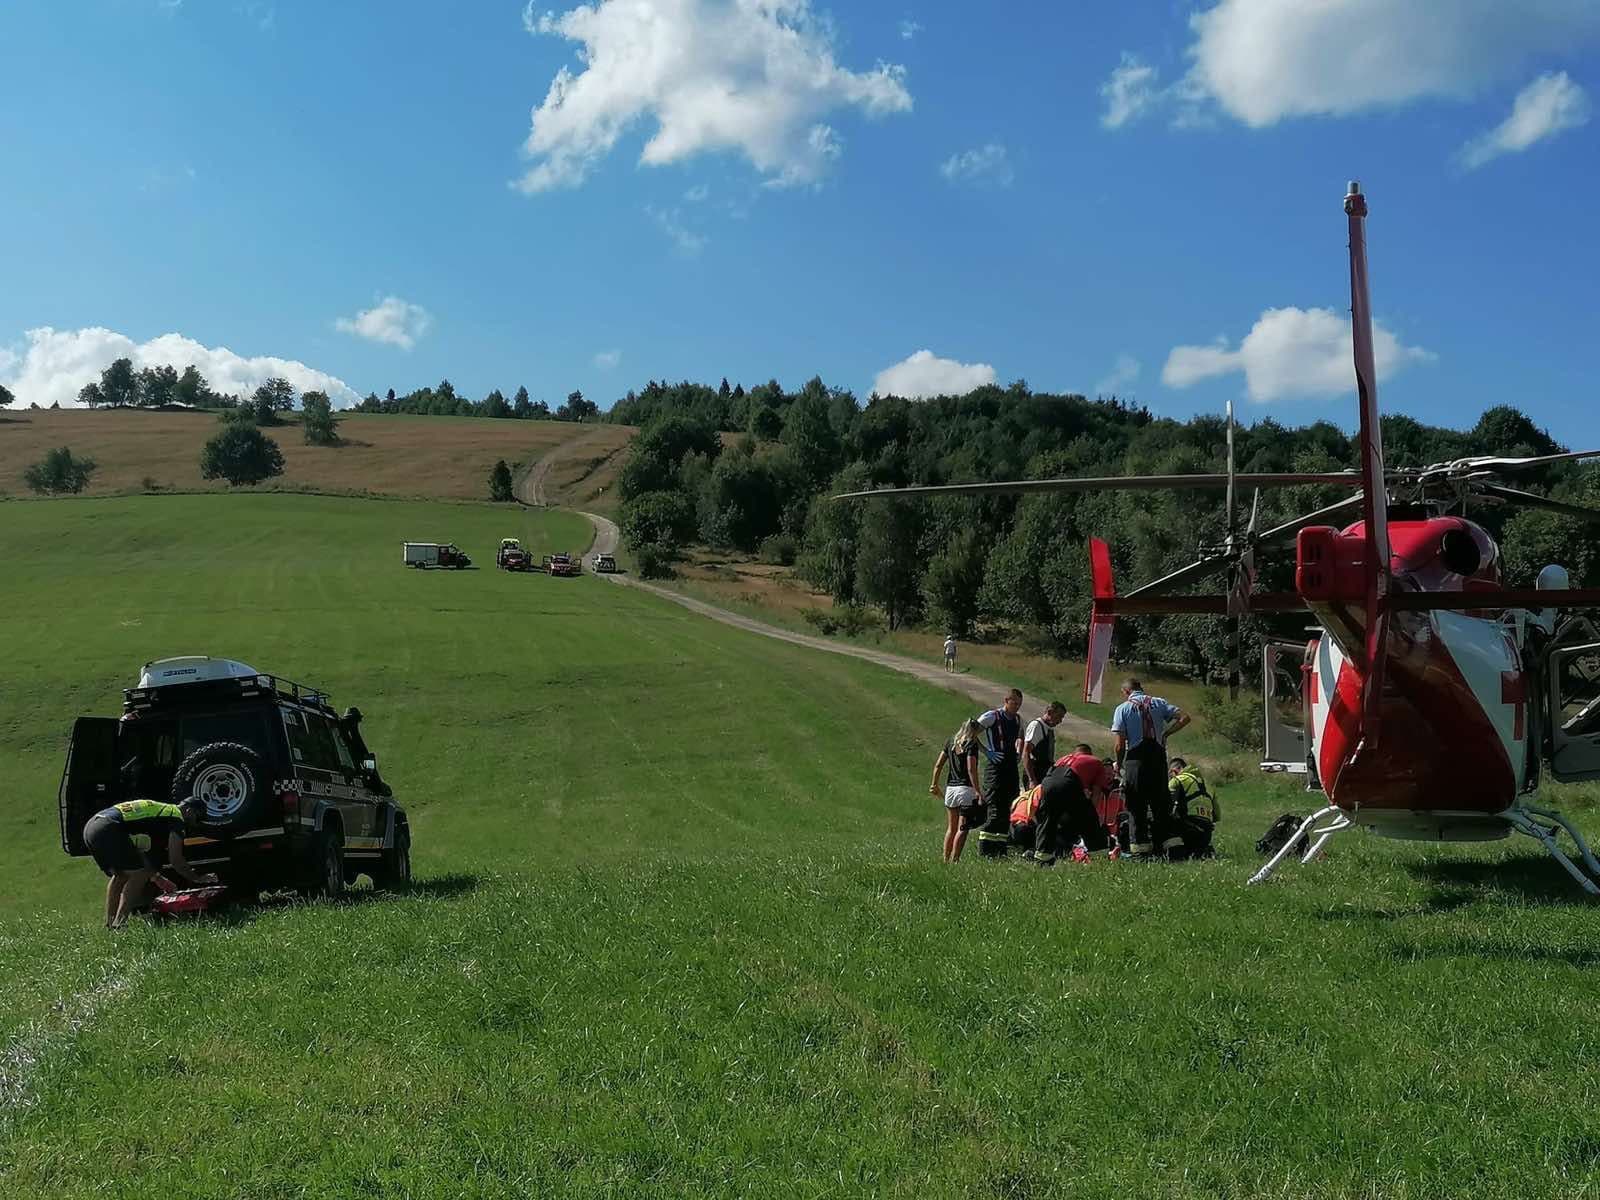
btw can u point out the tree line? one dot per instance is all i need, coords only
(753, 472)
(445, 401)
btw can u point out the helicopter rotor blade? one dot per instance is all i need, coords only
(1115, 483)
(1492, 465)
(1214, 563)
(1505, 495)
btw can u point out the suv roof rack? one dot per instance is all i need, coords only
(137, 700)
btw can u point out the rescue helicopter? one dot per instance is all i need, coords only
(1429, 698)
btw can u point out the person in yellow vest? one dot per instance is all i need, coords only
(128, 841)
(1195, 811)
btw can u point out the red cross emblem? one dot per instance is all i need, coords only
(1514, 690)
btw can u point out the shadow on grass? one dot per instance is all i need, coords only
(439, 887)
(1528, 878)
(1498, 951)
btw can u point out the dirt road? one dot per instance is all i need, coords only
(986, 692)
(532, 487)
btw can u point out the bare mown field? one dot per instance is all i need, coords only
(443, 457)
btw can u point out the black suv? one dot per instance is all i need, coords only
(292, 794)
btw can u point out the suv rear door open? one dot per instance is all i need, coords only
(91, 780)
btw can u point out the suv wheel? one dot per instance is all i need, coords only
(229, 780)
(327, 862)
(394, 867)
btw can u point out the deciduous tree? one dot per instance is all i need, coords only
(241, 454)
(500, 483)
(317, 417)
(59, 473)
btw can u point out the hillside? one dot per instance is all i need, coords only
(680, 927)
(440, 457)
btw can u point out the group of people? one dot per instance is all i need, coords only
(1005, 781)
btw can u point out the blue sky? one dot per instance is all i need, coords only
(1066, 193)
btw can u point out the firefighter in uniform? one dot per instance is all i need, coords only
(1002, 737)
(1143, 724)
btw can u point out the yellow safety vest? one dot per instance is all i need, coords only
(1197, 800)
(136, 811)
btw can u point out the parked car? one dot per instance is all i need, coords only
(605, 564)
(512, 557)
(292, 793)
(435, 554)
(562, 564)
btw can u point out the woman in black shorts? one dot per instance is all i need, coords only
(124, 840)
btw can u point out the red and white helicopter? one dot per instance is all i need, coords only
(1432, 695)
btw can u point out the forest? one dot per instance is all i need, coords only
(753, 472)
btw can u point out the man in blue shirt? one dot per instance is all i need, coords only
(1143, 724)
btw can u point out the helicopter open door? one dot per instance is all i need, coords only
(1284, 707)
(1575, 713)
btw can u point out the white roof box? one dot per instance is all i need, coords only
(192, 668)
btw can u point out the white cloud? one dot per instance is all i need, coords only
(1290, 353)
(56, 363)
(607, 360)
(909, 29)
(923, 375)
(986, 165)
(1123, 372)
(1262, 61)
(1549, 105)
(1129, 93)
(685, 240)
(392, 321)
(752, 76)
(697, 194)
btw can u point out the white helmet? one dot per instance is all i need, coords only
(1554, 578)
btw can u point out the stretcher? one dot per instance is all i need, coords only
(176, 902)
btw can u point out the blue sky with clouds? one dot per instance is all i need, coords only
(1143, 197)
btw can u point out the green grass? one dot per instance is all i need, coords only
(679, 928)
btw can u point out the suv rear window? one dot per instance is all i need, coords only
(245, 728)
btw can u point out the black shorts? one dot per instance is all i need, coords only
(112, 846)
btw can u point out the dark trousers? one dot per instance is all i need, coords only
(1066, 816)
(1144, 790)
(999, 793)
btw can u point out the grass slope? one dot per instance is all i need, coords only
(679, 930)
(442, 457)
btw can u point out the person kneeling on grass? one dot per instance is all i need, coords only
(958, 762)
(1060, 814)
(128, 840)
(1195, 813)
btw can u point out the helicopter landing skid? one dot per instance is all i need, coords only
(1542, 825)
(1314, 838)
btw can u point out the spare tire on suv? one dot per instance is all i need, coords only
(229, 780)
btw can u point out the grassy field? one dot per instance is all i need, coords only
(436, 457)
(679, 927)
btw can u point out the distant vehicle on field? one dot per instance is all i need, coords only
(512, 557)
(605, 564)
(562, 564)
(292, 793)
(435, 554)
